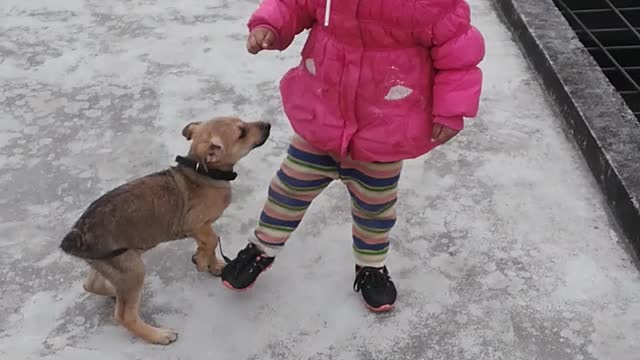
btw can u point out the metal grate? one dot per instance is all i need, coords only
(610, 30)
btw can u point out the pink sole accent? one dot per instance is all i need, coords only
(230, 287)
(381, 309)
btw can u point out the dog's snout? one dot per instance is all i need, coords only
(266, 128)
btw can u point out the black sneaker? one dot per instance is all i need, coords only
(378, 290)
(240, 274)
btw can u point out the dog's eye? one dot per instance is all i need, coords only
(243, 133)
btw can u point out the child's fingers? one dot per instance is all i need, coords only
(446, 134)
(260, 39)
(435, 132)
(268, 40)
(253, 45)
(442, 134)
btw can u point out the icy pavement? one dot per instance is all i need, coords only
(504, 248)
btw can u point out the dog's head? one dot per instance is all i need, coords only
(222, 142)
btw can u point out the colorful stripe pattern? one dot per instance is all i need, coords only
(306, 172)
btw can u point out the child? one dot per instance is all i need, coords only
(380, 81)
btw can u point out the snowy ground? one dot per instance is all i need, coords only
(504, 248)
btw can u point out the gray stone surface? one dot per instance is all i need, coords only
(504, 247)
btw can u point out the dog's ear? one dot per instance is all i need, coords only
(216, 149)
(187, 131)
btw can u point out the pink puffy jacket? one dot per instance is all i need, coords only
(376, 74)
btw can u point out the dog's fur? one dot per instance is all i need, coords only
(168, 205)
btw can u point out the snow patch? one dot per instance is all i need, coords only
(398, 92)
(310, 65)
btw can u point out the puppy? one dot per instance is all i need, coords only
(182, 201)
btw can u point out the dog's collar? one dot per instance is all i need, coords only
(214, 174)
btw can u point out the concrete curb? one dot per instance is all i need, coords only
(596, 116)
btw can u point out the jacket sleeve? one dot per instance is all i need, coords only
(457, 49)
(286, 18)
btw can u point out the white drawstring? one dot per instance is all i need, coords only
(327, 13)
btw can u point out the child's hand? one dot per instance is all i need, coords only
(442, 134)
(259, 39)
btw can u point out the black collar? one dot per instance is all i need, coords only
(214, 174)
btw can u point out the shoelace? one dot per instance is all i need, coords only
(249, 256)
(258, 263)
(371, 277)
(245, 256)
(226, 259)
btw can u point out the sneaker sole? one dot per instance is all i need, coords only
(230, 287)
(381, 309)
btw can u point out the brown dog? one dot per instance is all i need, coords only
(180, 202)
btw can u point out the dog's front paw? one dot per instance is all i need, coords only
(201, 261)
(163, 336)
(207, 262)
(216, 268)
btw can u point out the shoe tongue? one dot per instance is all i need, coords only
(253, 249)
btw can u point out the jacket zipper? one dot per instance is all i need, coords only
(327, 13)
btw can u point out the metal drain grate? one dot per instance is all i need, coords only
(610, 30)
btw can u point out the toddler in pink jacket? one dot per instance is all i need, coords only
(379, 82)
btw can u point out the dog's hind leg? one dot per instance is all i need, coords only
(97, 284)
(126, 273)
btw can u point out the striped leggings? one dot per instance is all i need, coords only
(303, 175)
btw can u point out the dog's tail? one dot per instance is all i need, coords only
(74, 244)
